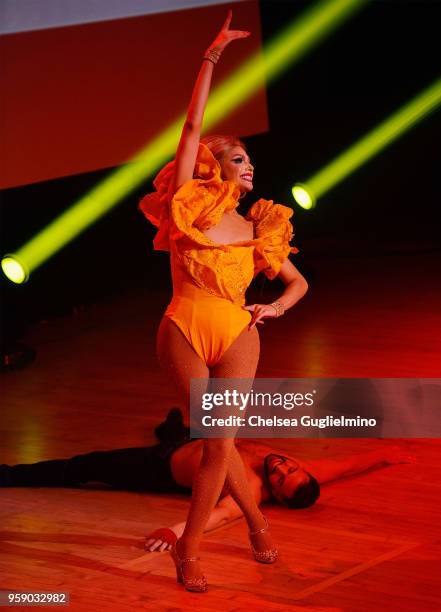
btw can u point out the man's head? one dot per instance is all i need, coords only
(289, 483)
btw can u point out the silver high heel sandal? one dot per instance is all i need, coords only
(196, 585)
(265, 556)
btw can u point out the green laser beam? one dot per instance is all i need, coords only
(422, 105)
(285, 49)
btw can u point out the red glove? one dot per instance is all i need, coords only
(164, 533)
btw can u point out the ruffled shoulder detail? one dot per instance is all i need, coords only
(197, 205)
(200, 203)
(155, 207)
(273, 231)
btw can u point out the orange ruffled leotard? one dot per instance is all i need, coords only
(210, 279)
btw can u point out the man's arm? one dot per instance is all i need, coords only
(225, 511)
(327, 470)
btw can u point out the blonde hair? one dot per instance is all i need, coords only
(219, 145)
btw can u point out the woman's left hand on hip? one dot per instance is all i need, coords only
(260, 312)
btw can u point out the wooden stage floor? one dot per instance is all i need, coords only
(372, 542)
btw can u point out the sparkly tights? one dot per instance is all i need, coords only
(221, 462)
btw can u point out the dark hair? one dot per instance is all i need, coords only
(305, 495)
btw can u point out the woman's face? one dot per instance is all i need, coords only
(237, 167)
(284, 476)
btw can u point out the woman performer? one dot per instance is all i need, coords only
(207, 331)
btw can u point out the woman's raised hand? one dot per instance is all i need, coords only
(187, 150)
(226, 35)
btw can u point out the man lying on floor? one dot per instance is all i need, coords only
(170, 466)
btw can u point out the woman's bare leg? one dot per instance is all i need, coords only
(240, 361)
(220, 459)
(182, 363)
(179, 360)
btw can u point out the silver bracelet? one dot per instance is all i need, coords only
(279, 308)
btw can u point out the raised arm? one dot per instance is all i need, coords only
(189, 142)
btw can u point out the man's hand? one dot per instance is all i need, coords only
(396, 454)
(162, 539)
